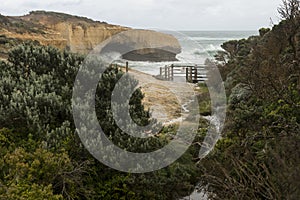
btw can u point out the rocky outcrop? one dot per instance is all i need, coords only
(81, 35)
(144, 45)
(153, 55)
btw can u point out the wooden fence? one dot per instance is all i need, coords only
(193, 74)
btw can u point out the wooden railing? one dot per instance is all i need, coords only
(193, 74)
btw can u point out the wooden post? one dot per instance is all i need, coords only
(166, 74)
(191, 74)
(127, 68)
(161, 72)
(172, 72)
(195, 75)
(187, 74)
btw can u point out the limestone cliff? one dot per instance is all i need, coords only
(144, 45)
(80, 34)
(77, 34)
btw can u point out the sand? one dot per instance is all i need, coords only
(166, 100)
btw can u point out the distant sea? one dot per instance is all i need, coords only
(197, 46)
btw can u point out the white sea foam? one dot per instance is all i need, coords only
(196, 46)
(212, 39)
(208, 49)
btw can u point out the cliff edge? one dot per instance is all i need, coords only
(77, 34)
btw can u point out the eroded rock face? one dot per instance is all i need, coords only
(81, 35)
(162, 47)
(144, 45)
(153, 55)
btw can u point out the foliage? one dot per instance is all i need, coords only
(204, 100)
(289, 9)
(35, 91)
(41, 154)
(258, 156)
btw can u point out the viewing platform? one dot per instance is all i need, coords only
(181, 72)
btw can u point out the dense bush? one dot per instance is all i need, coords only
(259, 156)
(41, 155)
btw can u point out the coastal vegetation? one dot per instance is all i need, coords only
(41, 154)
(258, 156)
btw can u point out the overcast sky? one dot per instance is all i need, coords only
(163, 14)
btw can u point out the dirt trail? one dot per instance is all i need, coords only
(166, 100)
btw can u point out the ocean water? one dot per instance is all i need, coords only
(197, 46)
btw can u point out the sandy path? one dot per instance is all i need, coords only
(165, 99)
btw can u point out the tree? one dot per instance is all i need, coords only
(257, 157)
(289, 9)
